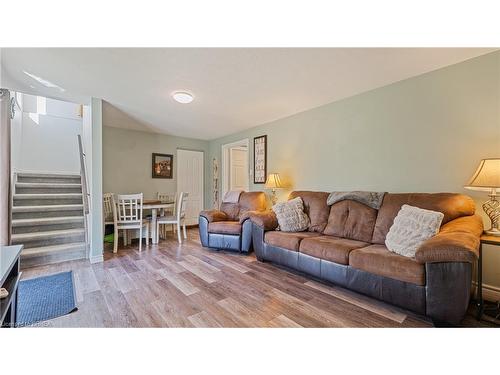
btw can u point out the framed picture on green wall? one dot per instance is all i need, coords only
(163, 165)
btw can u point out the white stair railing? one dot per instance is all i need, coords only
(85, 191)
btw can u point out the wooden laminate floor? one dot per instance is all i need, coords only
(172, 285)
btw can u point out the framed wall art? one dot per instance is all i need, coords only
(260, 159)
(163, 165)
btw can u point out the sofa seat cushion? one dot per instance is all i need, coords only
(225, 227)
(333, 249)
(287, 240)
(377, 259)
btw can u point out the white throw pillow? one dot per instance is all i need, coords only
(291, 216)
(412, 226)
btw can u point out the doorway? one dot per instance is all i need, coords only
(235, 166)
(190, 179)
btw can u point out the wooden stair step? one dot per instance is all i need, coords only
(52, 207)
(51, 249)
(42, 255)
(47, 185)
(47, 199)
(47, 221)
(30, 211)
(48, 175)
(51, 234)
(47, 196)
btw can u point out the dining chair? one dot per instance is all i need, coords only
(127, 214)
(107, 208)
(167, 198)
(178, 219)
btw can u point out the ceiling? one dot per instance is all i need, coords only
(234, 88)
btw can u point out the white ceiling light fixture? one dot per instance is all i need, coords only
(183, 97)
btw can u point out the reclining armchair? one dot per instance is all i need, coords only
(230, 227)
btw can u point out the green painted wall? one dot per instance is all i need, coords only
(127, 160)
(424, 134)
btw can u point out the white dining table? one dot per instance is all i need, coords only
(154, 206)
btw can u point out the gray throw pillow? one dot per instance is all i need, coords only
(291, 216)
(412, 226)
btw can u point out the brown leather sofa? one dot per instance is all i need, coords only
(230, 227)
(344, 244)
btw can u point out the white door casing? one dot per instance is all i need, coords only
(238, 172)
(226, 165)
(190, 179)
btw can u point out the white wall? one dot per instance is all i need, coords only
(16, 134)
(94, 159)
(4, 167)
(87, 150)
(44, 135)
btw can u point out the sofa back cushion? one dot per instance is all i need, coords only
(451, 205)
(252, 201)
(411, 228)
(351, 219)
(291, 216)
(232, 210)
(249, 201)
(315, 207)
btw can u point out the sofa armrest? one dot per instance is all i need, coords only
(214, 215)
(457, 241)
(264, 219)
(246, 215)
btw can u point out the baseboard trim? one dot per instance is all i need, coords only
(490, 292)
(96, 259)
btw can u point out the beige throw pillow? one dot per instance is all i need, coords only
(412, 226)
(291, 216)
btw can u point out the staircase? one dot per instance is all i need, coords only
(48, 218)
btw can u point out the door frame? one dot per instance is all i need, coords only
(225, 148)
(176, 171)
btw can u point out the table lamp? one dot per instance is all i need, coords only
(273, 182)
(487, 178)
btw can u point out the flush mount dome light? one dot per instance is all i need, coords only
(182, 97)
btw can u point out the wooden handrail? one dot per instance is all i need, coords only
(83, 174)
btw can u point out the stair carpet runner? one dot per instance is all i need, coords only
(48, 219)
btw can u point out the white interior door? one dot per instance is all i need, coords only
(238, 173)
(190, 180)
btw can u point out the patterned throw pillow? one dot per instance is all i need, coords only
(412, 226)
(291, 216)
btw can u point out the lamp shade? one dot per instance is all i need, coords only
(273, 181)
(487, 175)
